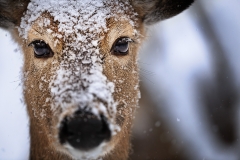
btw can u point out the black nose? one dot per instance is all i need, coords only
(84, 130)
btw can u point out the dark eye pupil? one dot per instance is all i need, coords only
(121, 46)
(41, 49)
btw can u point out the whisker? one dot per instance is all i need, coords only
(147, 72)
(147, 78)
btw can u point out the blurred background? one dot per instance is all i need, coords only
(190, 84)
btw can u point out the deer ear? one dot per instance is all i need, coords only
(11, 12)
(152, 11)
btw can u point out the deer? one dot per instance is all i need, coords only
(80, 71)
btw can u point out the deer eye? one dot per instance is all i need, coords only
(41, 49)
(121, 46)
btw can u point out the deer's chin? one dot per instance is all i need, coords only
(95, 153)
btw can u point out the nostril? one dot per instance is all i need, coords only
(84, 130)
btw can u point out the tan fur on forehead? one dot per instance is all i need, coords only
(45, 33)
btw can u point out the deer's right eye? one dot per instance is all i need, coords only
(41, 49)
(121, 46)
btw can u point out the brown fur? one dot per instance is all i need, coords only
(118, 69)
(11, 12)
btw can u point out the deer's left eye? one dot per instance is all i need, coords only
(41, 49)
(121, 46)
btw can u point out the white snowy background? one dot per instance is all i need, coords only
(14, 137)
(178, 54)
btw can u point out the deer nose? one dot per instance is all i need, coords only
(84, 130)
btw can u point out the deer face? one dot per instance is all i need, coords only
(81, 74)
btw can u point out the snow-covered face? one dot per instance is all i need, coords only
(81, 75)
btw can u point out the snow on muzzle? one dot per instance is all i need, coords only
(84, 96)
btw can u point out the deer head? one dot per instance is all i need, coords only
(80, 71)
